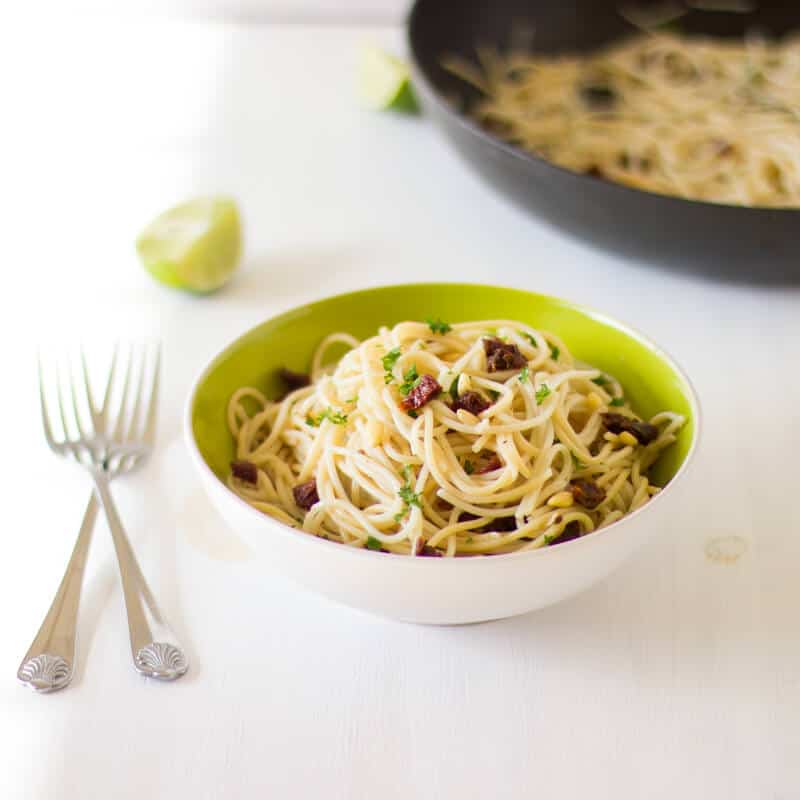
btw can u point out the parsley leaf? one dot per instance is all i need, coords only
(413, 414)
(601, 380)
(411, 380)
(493, 394)
(530, 339)
(409, 497)
(542, 392)
(576, 462)
(388, 361)
(554, 352)
(524, 374)
(550, 539)
(454, 389)
(617, 401)
(437, 326)
(407, 493)
(336, 417)
(373, 543)
(469, 467)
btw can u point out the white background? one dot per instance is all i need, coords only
(252, 11)
(677, 677)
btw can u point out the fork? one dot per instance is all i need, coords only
(104, 452)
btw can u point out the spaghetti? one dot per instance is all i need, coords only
(431, 439)
(698, 118)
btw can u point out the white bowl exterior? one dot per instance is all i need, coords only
(435, 590)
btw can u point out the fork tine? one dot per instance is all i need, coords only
(119, 425)
(131, 433)
(111, 373)
(149, 433)
(74, 395)
(60, 395)
(48, 432)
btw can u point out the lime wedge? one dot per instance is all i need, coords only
(194, 246)
(385, 81)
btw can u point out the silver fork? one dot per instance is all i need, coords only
(105, 452)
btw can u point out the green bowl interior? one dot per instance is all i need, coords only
(650, 382)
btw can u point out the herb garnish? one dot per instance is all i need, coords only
(524, 374)
(469, 467)
(542, 392)
(373, 543)
(576, 462)
(336, 417)
(453, 391)
(437, 326)
(411, 380)
(407, 494)
(388, 361)
(413, 414)
(554, 352)
(617, 401)
(601, 380)
(493, 394)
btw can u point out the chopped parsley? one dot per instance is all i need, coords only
(554, 352)
(617, 401)
(373, 543)
(601, 380)
(524, 375)
(549, 539)
(437, 326)
(409, 497)
(469, 467)
(493, 394)
(576, 462)
(453, 391)
(542, 392)
(407, 493)
(388, 361)
(336, 417)
(411, 380)
(413, 414)
(531, 339)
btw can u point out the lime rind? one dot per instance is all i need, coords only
(385, 82)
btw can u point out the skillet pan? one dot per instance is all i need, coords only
(760, 245)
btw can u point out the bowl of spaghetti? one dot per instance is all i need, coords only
(442, 453)
(668, 132)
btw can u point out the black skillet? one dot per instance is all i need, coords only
(755, 244)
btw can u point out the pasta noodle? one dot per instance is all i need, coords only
(513, 448)
(705, 119)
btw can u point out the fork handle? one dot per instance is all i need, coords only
(156, 652)
(49, 663)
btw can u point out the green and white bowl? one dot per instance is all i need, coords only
(439, 590)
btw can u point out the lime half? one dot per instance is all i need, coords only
(385, 81)
(194, 246)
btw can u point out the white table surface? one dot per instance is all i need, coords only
(679, 677)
